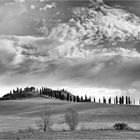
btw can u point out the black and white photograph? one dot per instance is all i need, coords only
(69, 69)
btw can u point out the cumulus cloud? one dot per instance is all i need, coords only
(7, 55)
(72, 63)
(89, 50)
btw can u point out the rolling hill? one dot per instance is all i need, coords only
(20, 114)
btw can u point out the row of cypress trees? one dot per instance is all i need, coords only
(122, 100)
(65, 95)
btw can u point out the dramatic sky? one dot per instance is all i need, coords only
(88, 47)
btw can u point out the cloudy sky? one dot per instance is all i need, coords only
(87, 47)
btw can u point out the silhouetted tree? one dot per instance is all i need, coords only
(14, 92)
(104, 100)
(62, 97)
(74, 99)
(82, 100)
(109, 100)
(94, 100)
(126, 100)
(85, 98)
(129, 100)
(89, 99)
(99, 100)
(78, 99)
(122, 99)
(20, 91)
(10, 92)
(68, 97)
(17, 90)
(116, 99)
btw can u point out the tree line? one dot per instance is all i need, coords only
(122, 100)
(65, 95)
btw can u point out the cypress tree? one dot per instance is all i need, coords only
(116, 99)
(68, 97)
(82, 100)
(109, 100)
(104, 100)
(122, 99)
(129, 101)
(40, 92)
(126, 100)
(99, 100)
(10, 92)
(62, 97)
(17, 90)
(85, 98)
(74, 99)
(94, 100)
(78, 99)
(89, 99)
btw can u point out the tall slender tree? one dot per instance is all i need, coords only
(126, 100)
(116, 99)
(122, 99)
(82, 100)
(94, 100)
(85, 98)
(68, 97)
(109, 100)
(104, 100)
(99, 100)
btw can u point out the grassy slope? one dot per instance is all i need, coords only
(18, 114)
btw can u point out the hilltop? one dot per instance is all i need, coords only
(31, 92)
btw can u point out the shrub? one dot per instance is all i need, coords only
(85, 129)
(71, 118)
(121, 126)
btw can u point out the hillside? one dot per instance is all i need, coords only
(31, 92)
(19, 114)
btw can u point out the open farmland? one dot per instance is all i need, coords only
(21, 114)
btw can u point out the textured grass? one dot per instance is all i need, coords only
(77, 135)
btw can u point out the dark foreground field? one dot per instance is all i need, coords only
(77, 135)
